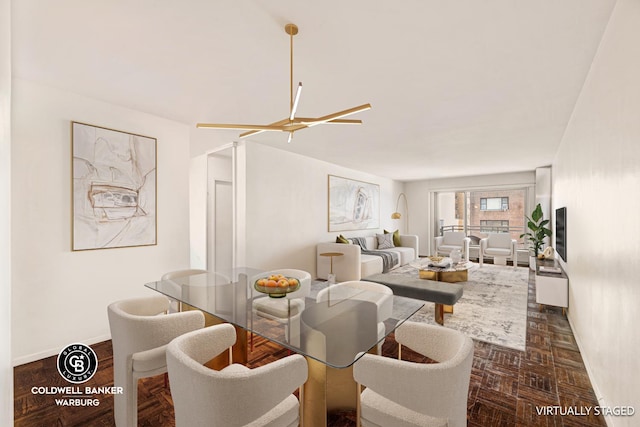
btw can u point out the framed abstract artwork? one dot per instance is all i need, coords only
(353, 205)
(113, 187)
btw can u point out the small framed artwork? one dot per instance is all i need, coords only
(113, 187)
(353, 205)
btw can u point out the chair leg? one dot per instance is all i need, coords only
(301, 403)
(358, 409)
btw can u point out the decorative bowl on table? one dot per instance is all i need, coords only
(277, 285)
(438, 261)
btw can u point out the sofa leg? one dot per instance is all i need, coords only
(439, 314)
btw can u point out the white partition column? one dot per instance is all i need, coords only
(6, 369)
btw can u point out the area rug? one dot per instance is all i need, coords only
(493, 307)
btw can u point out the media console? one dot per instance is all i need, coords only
(552, 288)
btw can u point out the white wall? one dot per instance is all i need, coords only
(421, 200)
(60, 296)
(287, 207)
(596, 175)
(6, 370)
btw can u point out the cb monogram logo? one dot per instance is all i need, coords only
(77, 363)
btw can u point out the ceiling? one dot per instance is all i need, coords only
(458, 87)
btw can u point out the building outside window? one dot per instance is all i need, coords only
(494, 226)
(480, 212)
(494, 203)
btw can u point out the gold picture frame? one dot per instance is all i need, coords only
(113, 185)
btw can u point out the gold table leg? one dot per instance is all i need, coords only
(445, 276)
(328, 389)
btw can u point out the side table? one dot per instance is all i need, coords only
(331, 278)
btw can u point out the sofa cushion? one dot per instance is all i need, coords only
(370, 264)
(405, 255)
(448, 248)
(497, 251)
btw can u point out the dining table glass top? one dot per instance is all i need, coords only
(332, 324)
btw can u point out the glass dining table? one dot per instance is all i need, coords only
(333, 327)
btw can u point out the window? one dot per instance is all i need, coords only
(494, 204)
(494, 226)
(479, 212)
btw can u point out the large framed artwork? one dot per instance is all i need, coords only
(353, 205)
(113, 187)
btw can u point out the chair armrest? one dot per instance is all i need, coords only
(465, 248)
(410, 241)
(345, 267)
(404, 382)
(164, 328)
(483, 244)
(206, 343)
(270, 384)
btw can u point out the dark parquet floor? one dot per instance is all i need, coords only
(506, 385)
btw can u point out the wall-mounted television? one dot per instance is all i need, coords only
(561, 233)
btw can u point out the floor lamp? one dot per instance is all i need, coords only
(397, 215)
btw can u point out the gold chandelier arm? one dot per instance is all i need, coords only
(284, 128)
(249, 133)
(292, 123)
(308, 120)
(339, 114)
(238, 126)
(257, 131)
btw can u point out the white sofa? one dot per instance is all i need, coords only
(353, 265)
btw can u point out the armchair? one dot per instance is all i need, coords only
(236, 395)
(453, 240)
(175, 306)
(382, 297)
(140, 334)
(500, 246)
(286, 310)
(403, 393)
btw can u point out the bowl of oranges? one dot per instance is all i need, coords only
(277, 285)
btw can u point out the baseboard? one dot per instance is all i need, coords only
(54, 351)
(601, 400)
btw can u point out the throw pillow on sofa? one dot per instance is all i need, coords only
(396, 236)
(342, 239)
(385, 241)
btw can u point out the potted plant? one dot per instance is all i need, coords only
(538, 231)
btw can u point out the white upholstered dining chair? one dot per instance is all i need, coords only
(235, 395)
(406, 394)
(376, 293)
(287, 309)
(175, 306)
(140, 332)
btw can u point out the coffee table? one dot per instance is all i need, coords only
(451, 274)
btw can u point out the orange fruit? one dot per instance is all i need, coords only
(271, 283)
(283, 283)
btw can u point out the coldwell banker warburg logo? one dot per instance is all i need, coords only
(77, 363)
